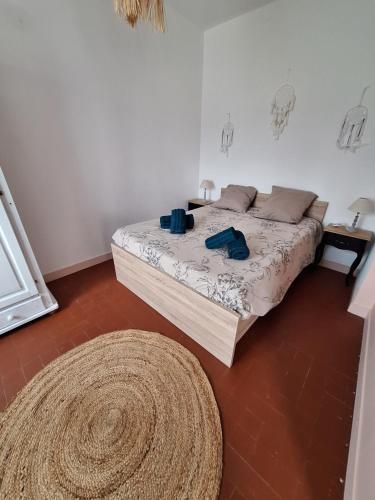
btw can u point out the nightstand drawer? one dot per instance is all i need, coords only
(197, 203)
(343, 239)
(193, 206)
(339, 241)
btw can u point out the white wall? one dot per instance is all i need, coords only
(360, 479)
(330, 47)
(99, 124)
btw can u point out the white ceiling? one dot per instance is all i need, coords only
(209, 13)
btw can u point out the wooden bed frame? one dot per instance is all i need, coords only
(210, 324)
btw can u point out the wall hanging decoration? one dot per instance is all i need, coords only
(146, 10)
(353, 127)
(283, 103)
(227, 136)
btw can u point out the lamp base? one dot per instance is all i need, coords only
(353, 227)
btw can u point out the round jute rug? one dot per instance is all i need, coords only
(129, 415)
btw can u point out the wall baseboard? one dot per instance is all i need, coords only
(65, 271)
(359, 309)
(335, 266)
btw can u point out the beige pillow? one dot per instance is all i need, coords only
(249, 190)
(236, 198)
(286, 205)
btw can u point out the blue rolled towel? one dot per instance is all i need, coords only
(165, 221)
(220, 239)
(238, 248)
(178, 221)
(189, 221)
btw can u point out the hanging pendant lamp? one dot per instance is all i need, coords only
(146, 10)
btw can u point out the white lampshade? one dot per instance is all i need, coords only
(362, 206)
(205, 184)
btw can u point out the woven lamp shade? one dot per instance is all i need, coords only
(205, 184)
(362, 206)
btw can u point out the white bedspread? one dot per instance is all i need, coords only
(278, 253)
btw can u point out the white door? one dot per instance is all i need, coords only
(16, 282)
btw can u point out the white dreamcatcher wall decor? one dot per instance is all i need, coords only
(353, 127)
(227, 136)
(282, 104)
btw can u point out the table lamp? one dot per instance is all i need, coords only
(205, 184)
(360, 206)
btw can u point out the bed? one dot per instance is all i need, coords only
(213, 299)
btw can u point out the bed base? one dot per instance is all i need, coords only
(211, 325)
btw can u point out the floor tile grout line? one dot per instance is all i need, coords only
(255, 472)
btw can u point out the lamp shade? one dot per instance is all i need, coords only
(362, 206)
(205, 184)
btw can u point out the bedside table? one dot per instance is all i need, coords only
(340, 237)
(198, 203)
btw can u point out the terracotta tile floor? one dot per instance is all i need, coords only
(286, 404)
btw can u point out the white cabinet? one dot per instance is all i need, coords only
(23, 293)
(16, 282)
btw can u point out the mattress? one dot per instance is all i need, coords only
(278, 253)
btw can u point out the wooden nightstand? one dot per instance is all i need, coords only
(340, 237)
(198, 203)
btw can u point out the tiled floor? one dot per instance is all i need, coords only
(286, 404)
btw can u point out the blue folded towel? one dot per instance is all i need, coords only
(178, 221)
(221, 239)
(238, 248)
(165, 221)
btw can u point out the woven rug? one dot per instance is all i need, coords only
(129, 415)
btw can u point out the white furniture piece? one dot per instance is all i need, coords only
(24, 295)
